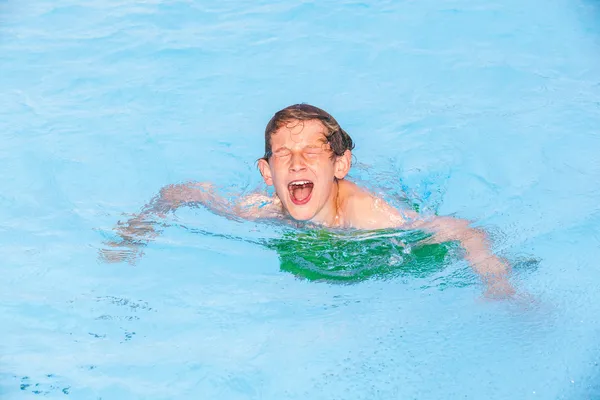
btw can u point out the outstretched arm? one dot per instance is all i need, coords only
(171, 197)
(494, 271)
(140, 228)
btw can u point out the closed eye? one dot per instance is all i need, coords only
(282, 153)
(313, 151)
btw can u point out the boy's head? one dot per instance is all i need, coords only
(306, 152)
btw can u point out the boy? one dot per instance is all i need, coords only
(307, 156)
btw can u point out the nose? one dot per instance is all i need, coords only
(297, 163)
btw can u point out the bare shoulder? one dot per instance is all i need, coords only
(362, 209)
(351, 195)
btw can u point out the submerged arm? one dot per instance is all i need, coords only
(170, 198)
(140, 228)
(494, 271)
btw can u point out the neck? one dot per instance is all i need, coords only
(329, 215)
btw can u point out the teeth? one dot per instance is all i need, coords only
(300, 183)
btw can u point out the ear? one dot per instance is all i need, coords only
(342, 165)
(265, 171)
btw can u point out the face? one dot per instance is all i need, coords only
(303, 171)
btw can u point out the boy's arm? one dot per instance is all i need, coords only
(494, 271)
(140, 229)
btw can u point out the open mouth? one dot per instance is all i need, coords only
(300, 191)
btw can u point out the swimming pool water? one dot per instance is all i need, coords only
(487, 111)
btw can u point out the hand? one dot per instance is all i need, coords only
(136, 229)
(134, 235)
(120, 252)
(499, 289)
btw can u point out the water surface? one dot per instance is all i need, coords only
(483, 111)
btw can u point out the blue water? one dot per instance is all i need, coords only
(484, 110)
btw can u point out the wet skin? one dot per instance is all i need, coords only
(301, 154)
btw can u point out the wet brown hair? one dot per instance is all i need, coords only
(337, 138)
